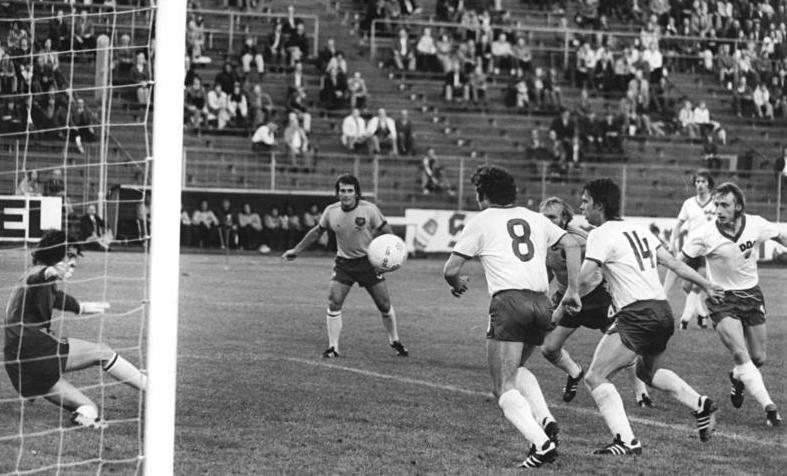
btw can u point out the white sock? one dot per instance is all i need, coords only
(668, 381)
(528, 386)
(333, 321)
(750, 375)
(389, 321)
(565, 363)
(702, 308)
(517, 411)
(611, 407)
(124, 371)
(690, 308)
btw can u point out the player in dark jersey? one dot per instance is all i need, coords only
(36, 357)
(595, 313)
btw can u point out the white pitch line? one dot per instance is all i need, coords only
(476, 393)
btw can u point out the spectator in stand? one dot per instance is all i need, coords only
(353, 130)
(655, 61)
(195, 104)
(426, 52)
(124, 60)
(140, 76)
(705, 124)
(725, 64)
(296, 80)
(238, 107)
(521, 91)
(432, 177)
(82, 121)
(779, 94)
(523, 55)
(409, 7)
(356, 88)
(185, 227)
(404, 134)
(249, 228)
(381, 130)
(478, 84)
(15, 36)
(291, 22)
(297, 142)
(55, 187)
(273, 229)
(264, 137)
(93, 231)
(564, 129)
(228, 228)
(227, 77)
(612, 133)
(84, 33)
(297, 104)
(483, 50)
(403, 52)
(28, 186)
(260, 106)
(741, 96)
(502, 55)
(333, 91)
(686, 120)
(297, 45)
(250, 55)
(445, 53)
(456, 84)
(218, 107)
(466, 54)
(536, 149)
(205, 225)
(195, 39)
(761, 98)
(326, 54)
(274, 50)
(710, 153)
(13, 117)
(8, 79)
(59, 32)
(338, 63)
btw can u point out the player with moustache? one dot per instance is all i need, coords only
(511, 243)
(597, 311)
(356, 222)
(628, 255)
(729, 245)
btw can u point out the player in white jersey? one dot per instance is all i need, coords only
(597, 312)
(511, 243)
(628, 254)
(729, 246)
(356, 222)
(695, 212)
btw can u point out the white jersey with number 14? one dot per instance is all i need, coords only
(512, 244)
(626, 253)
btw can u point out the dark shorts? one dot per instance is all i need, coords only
(645, 327)
(595, 311)
(38, 365)
(519, 316)
(355, 270)
(746, 305)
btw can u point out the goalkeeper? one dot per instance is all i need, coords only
(35, 357)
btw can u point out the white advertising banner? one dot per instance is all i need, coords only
(436, 231)
(26, 217)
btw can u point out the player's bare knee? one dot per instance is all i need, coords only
(593, 379)
(385, 309)
(334, 305)
(550, 352)
(644, 373)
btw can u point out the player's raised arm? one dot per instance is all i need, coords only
(684, 271)
(311, 238)
(451, 273)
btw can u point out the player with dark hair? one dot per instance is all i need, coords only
(729, 246)
(356, 222)
(35, 357)
(512, 244)
(628, 255)
(596, 311)
(695, 212)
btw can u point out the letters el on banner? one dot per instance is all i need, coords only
(26, 217)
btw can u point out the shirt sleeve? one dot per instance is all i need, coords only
(684, 214)
(767, 230)
(66, 302)
(470, 242)
(695, 244)
(376, 218)
(553, 232)
(596, 248)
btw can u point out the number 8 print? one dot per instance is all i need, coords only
(519, 231)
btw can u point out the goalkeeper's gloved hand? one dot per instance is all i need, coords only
(93, 307)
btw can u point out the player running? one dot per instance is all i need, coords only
(356, 222)
(35, 357)
(512, 244)
(695, 212)
(595, 313)
(628, 254)
(729, 246)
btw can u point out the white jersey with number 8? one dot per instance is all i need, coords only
(512, 243)
(626, 253)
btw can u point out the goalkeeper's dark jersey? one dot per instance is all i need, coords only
(32, 302)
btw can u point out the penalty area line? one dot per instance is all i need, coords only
(475, 393)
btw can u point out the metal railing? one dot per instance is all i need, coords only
(395, 182)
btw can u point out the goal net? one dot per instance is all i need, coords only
(76, 154)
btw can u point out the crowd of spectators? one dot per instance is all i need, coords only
(244, 228)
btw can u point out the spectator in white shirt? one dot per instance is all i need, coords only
(502, 55)
(762, 101)
(264, 137)
(705, 124)
(218, 107)
(655, 59)
(686, 120)
(426, 52)
(381, 130)
(353, 130)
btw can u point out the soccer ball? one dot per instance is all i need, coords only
(387, 253)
